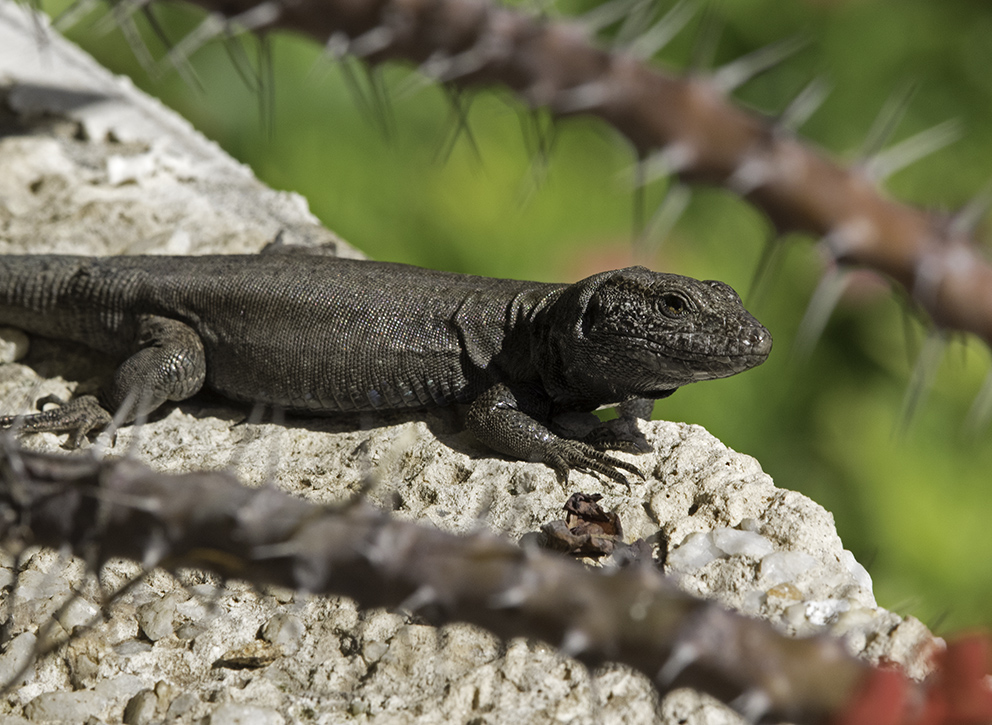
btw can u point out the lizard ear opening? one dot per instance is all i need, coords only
(590, 314)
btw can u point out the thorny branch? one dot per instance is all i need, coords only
(688, 123)
(632, 615)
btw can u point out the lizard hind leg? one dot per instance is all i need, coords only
(168, 364)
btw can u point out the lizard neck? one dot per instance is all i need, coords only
(552, 325)
(526, 325)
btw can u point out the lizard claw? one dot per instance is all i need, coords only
(567, 454)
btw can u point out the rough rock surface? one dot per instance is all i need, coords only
(87, 165)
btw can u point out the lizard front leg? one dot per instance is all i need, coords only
(509, 420)
(168, 364)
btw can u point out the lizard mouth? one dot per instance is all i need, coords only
(755, 346)
(686, 362)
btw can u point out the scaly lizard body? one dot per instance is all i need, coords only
(317, 334)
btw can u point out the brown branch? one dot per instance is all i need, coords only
(634, 615)
(703, 135)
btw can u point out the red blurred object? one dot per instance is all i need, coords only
(959, 692)
(880, 701)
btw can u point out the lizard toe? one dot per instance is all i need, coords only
(559, 465)
(585, 457)
(618, 435)
(78, 418)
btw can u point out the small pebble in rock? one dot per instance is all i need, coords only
(821, 612)
(785, 566)
(232, 714)
(283, 595)
(18, 652)
(695, 552)
(121, 687)
(166, 692)
(133, 647)
(374, 651)
(77, 613)
(285, 631)
(70, 706)
(795, 615)
(750, 524)
(860, 575)
(82, 670)
(852, 620)
(784, 591)
(121, 169)
(181, 705)
(735, 542)
(155, 618)
(190, 630)
(140, 709)
(13, 344)
(34, 584)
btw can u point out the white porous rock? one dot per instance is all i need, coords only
(382, 666)
(124, 175)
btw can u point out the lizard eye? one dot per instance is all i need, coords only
(674, 305)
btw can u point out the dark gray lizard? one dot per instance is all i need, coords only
(317, 334)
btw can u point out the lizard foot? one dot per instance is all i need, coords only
(566, 454)
(77, 417)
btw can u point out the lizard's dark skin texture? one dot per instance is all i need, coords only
(317, 334)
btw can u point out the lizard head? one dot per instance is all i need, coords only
(637, 333)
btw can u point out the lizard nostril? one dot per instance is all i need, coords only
(758, 341)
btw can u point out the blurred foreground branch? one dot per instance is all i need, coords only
(633, 615)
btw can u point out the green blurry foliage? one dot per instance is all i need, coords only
(911, 498)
